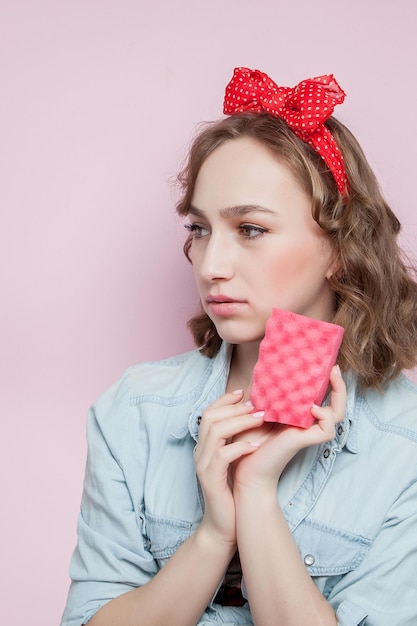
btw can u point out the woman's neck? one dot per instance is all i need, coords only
(243, 361)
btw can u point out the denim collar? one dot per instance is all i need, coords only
(214, 388)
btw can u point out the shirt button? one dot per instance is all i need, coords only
(340, 430)
(309, 559)
(199, 420)
(326, 453)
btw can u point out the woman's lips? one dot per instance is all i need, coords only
(223, 306)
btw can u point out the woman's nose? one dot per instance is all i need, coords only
(217, 259)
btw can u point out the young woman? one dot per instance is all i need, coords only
(195, 510)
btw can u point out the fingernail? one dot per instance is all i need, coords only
(258, 414)
(338, 370)
(249, 403)
(254, 444)
(237, 391)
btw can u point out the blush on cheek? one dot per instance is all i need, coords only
(311, 257)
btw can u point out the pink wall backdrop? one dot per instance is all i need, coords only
(99, 100)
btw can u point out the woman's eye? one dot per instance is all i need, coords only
(197, 231)
(249, 231)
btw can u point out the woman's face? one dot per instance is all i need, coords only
(255, 244)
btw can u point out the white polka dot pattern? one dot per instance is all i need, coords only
(304, 108)
(293, 368)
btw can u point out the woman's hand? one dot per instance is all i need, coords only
(279, 443)
(216, 450)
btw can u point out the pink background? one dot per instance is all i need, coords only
(98, 101)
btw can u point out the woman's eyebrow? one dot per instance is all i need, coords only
(234, 211)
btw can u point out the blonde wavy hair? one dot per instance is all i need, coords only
(375, 287)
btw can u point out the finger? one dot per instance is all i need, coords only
(337, 405)
(217, 414)
(328, 416)
(226, 402)
(217, 434)
(218, 465)
(324, 428)
(233, 451)
(227, 406)
(338, 394)
(231, 397)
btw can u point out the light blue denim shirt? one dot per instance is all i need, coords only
(351, 504)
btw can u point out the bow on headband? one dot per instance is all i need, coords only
(304, 108)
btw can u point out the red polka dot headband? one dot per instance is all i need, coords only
(304, 108)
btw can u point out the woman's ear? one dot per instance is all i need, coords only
(335, 265)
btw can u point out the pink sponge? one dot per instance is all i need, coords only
(293, 369)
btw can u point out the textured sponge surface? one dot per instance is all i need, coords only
(293, 368)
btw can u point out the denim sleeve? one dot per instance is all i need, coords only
(111, 556)
(382, 591)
